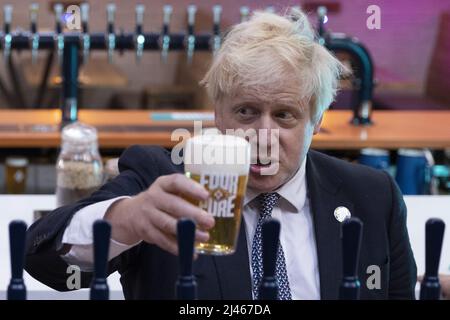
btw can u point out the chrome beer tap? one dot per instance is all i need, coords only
(191, 11)
(245, 11)
(59, 39)
(322, 15)
(85, 38)
(34, 40)
(139, 38)
(7, 38)
(167, 13)
(111, 36)
(217, 40)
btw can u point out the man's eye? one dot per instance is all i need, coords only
(284, 115)
(246, 111)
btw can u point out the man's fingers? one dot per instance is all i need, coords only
(178, 183)
(180, 208)
(168, 225)
(169, 242)
(164, 222)
(167, 204)
(201, 236)
(162, 240)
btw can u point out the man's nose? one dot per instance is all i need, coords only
(267, 132)
(265, 124)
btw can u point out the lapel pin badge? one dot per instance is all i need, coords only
(342, 213)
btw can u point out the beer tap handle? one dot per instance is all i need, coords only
(186, 286)
(167, 13)
(430, 288)
(351, 234)
(191, 11)
(268, 289)
(322, 15)
(140, 39)
(84, 17)
(86, 39)
(217, 11)
(58, 8)
(245, 11)
(99, 285)
(17, 236)
(111, 40)
(34, 8)
(7, 38)
(7, 17)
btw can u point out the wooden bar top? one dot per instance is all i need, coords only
(122, 128)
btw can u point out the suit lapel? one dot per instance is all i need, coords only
(325, 197)
(233, 271)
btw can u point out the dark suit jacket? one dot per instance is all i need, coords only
(147, 272)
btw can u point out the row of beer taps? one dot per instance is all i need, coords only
(164, 39)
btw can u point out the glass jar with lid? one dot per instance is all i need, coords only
(79, 166)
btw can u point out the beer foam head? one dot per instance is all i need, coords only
(217, 153)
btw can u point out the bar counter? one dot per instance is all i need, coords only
(420, 208)
(122, 128)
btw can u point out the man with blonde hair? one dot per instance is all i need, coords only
(269, 74)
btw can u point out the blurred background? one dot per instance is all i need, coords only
(402, 50)
(409, 70)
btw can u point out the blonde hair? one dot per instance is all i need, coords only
(268, 49)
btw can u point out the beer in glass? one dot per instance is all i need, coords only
(16, 174)
(221, 164)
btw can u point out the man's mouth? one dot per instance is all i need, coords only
(259, 165)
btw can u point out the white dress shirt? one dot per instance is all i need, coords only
(80, 235)
(296, 235)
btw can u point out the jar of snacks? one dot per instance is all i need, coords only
(79, 165)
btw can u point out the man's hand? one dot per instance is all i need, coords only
(152, 215)
(445, 285)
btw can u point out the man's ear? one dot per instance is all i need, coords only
(318, 125)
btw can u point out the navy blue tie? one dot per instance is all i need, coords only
(268, 201)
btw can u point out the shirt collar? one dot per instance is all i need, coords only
(293, 192)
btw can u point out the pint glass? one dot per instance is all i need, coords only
(221, 164)
(16, 174)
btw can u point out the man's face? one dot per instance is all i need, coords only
(277, 108)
